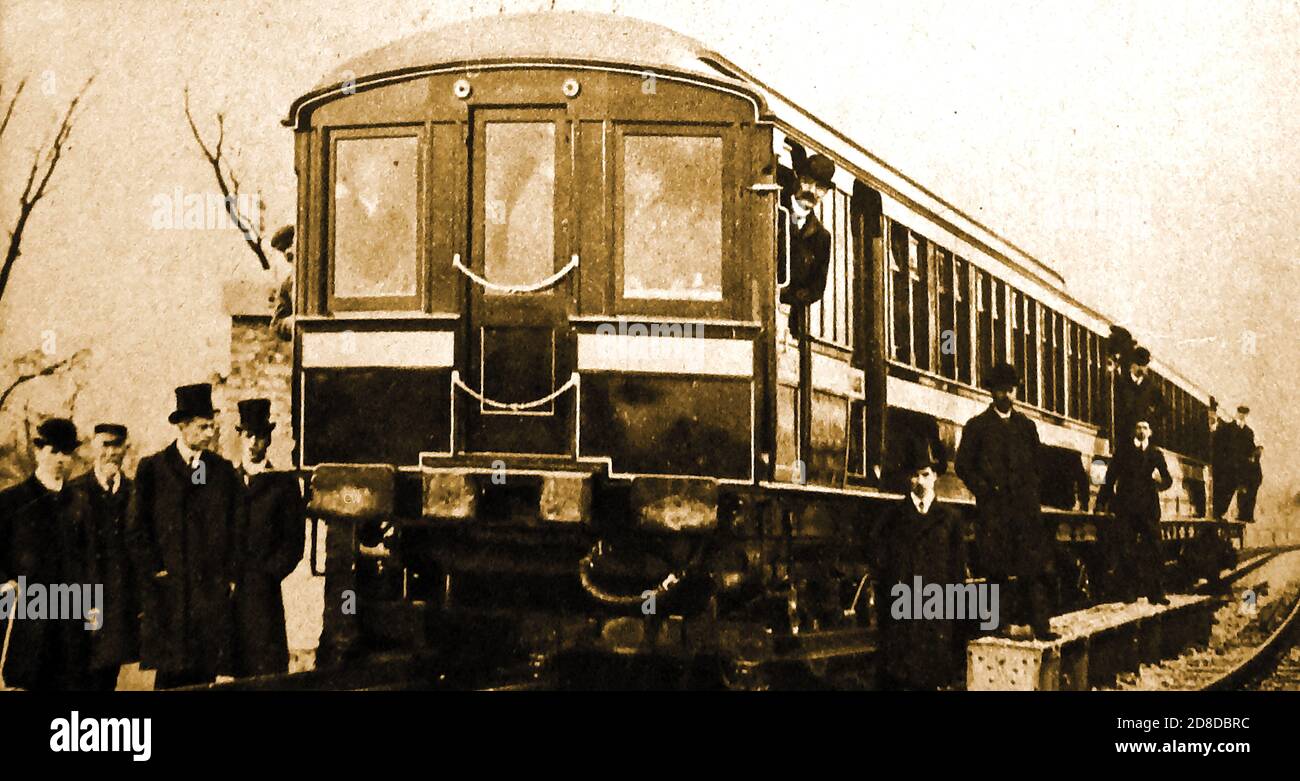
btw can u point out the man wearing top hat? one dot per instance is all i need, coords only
(917, 538)
(40, 542)
(100, 499)
(181, 525)
(999, 460)
(1136, 398)
(271, 535)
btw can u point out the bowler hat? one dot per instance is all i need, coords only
(57, 433)
(1141, 356)
(1243, 409)
(1001, 375)
(255, 416)
(283, 239)
(917, 453)
(193, 401)
(820, 169)
(115, 431)
(1119, 342)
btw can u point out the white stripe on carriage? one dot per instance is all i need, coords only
(394, 349)
(666, 355)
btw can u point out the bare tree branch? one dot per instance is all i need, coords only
(227, 182)
(12, 102)
(37, 182)
(53, 368)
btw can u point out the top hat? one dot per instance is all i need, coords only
(820, 169)
(255, 416)
(1002, 375)
(57, 433)
(283, 239)
(115, 431)
(193, 401)
(1141, 356)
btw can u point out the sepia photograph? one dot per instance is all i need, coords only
(676, 346)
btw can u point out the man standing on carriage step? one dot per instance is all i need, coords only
(1136, 398)
(1134, 480)
(101, 498)
(270, 539)
(998, 459)
(181, 529)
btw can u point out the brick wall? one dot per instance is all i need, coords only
(260, 367)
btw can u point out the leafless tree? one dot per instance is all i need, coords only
(44, 163)
(31, 368)
(228, 183)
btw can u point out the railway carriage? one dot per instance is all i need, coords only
(539, 340)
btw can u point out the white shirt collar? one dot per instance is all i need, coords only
(922, 503)
(1004, 415)
(109, 485)
(187, 455)
(50, 483)
(1140, 444)
(254, 467)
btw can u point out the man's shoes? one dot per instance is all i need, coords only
(1159, 599)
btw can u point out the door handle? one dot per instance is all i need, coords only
(548, 282)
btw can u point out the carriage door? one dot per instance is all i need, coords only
(516, 393)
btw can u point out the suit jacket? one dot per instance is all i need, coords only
(271, 535)
(1241, 446)
(999, 461)
(102, 519)
(919, 653)
(188, 530)
(40, 541)
(1134, 402)
(1130, 490)
(810, 257)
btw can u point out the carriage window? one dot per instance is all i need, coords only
(831, 318)
(947, 315)
(900, 288)
(672, 217)
(375, 217)
(961, 295)
(519, 202)
(1031, 350)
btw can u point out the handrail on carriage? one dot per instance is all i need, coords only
(514, 289)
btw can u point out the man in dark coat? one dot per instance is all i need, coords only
(181, 526)
(40, 543)
(917, 538)
(999, 460)
(271, 536)
(1136, 396)
(100, 498)
(1225, 472)
(282, 316)
(809, 241)
(1134, 481)
(1252, 476)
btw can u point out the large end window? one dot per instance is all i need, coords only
(672, 217)
(519, 203)
(375, 212)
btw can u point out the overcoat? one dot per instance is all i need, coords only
(41, 543)
(917, 652)
(185, 526)
(1133, 402)
(998, 460)
(102, 521)
(271, 536)
(1132, 491)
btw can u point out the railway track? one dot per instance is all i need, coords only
(1255, 631)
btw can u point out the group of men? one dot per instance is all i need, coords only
(1237, 469)
(999, 460)
(190, 554)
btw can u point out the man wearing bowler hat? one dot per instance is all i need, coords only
(1136, 398)
(271, 535)
(100, 498)
(999, 459)
(40, 546)
(182, 522)
(810, 242)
